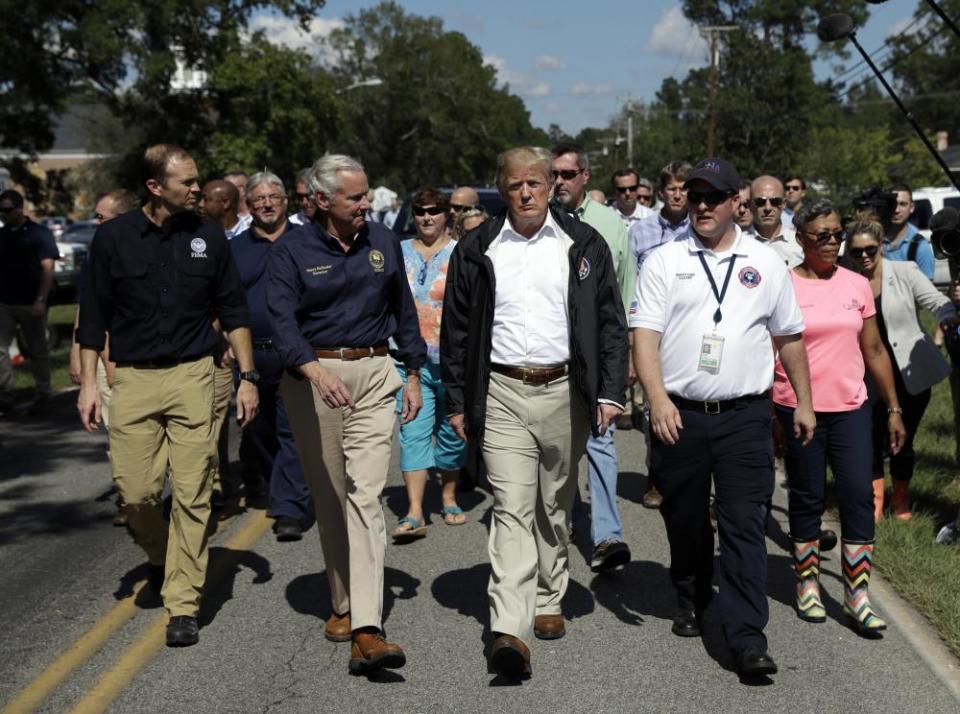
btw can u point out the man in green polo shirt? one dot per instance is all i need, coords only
(571, 172)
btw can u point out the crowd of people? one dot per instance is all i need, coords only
(730, 320)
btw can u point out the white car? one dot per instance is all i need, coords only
(928, 201)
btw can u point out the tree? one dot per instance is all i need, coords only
(438, 116)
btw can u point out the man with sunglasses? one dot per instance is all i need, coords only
(626, 185)
(304, 200)
(766, 197)
(571, 173)
(27, 255)
(707, 306)
(461, 200)
(795, 190)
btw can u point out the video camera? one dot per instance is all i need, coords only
(945, 236)
(876, 200)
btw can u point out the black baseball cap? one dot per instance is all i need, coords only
(718, 173)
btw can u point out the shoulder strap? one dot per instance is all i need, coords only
(914, 247)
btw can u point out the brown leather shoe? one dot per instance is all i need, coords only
(337, 628)
(371, 651)
(652, 498)
(510, 658)
(549, 627)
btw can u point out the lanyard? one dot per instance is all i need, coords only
(719, 294)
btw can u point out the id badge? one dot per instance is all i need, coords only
(711, 351)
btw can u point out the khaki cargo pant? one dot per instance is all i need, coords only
(222, 392)
(534, 436)
(346, 455)
(159, 414)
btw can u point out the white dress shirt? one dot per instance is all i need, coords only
(239, 227)
(785, 244)
(674, 298)
(639, 213)
(299, 218)
(530, 323)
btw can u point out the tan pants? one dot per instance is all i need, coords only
(158, 414)
(534, 436)
(222, 391)
(106, 393)
(346, 455)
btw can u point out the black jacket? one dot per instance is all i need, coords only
(598, 329)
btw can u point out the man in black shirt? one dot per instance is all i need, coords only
(157, 278)
(27, 254)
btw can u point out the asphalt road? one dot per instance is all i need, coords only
(64, 571)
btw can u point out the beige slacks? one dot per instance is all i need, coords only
(534, 436)
(156, 414)
(346, 455)
(222, 391)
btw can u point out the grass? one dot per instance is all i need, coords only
(926, 574)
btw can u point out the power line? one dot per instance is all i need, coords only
(886, 46)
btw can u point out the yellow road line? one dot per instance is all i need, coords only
(138, 655)
(42, 686)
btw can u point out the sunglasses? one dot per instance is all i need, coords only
(775, 201)
(870, 250)
(627, 189)
(459, 208)
(7, 209)
(824, 236)
(711, 198)
(794, 188)
(301, 196)
(566, 174)
(425, 210)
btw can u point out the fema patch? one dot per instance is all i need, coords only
(584, 269)
(197, 247)
(750, 277)
(377, 260)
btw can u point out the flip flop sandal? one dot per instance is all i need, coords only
(452, 511)
(416, 530)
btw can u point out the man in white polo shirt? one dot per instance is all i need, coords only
(707, 306)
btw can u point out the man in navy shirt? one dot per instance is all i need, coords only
(27, 254)
(337, 292)
(267, 449)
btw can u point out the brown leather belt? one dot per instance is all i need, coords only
(348, 354)
(531, 375)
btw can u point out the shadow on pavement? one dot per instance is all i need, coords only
(641, 589)
(223, 569)
(395, 498)
(631, 485)
(310, 594)
(51, 518)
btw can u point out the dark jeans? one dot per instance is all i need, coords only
(737, 449)
(267, 449)
(842, 439)
(913, 405)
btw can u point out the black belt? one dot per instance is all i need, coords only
(159, 363)
(718, 407)
(263, 345)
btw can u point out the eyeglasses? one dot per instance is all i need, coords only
(824, 236)
(303, 196)
(711, 198)
(794, 188)
(870, 250)
(628, 189)
(421, 211)
(566, 174)
(775, 201)
(460, 208)
(263, 200)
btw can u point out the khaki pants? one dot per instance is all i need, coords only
(534, 436)
(34, 332)
(346, 455)
(106, 393)
(156, 414)
(222, 391)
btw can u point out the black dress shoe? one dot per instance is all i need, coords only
(686, 623)
(755, 663)
(182, 631)
(287, 529)
(609, 555)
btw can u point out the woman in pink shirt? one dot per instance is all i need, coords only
(842, 341)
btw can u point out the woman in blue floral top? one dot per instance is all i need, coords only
(428, 442)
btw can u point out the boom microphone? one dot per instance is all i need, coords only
(834, 27)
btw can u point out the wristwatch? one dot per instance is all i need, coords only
(252, 376)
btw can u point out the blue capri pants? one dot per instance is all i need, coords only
(429, 441)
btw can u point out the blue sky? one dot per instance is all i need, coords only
(577, 62)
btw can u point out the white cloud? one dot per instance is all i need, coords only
(550, 62)
(580, 89)
(540, 89)
(675, 36)
(901, 27)
(504, 73)
(287, 32)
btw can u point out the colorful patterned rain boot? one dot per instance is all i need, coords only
(857, 565)
(806, 564)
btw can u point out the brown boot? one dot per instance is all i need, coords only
(652, 498)
(900, 501)
(878, 499)
(510, 658)
(371, 652)
(549, 627)
(337, 628)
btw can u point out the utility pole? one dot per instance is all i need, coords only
(712, 35)
(628, 110)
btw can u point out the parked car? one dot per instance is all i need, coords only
(80, 232)
(489, 200)
(56, 224)
(67, 270)
(928, 201)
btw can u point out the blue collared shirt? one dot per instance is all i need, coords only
(652, 231)
(320, 297)
(900, 250)
(251, 253)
